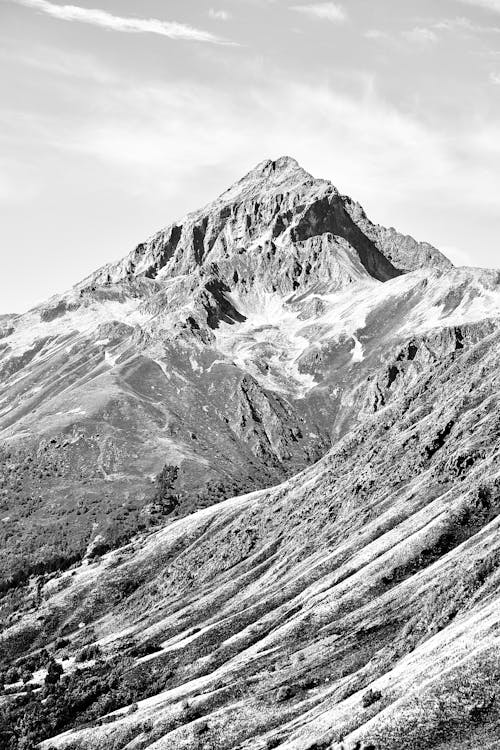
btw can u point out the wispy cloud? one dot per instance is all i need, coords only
(495, 78)
(375, 34)
(418, 35)
(326, 11)
(493, 5)
(197, 139)
(359, 140)
(219, 15)
(457, 24)
(433, 31)
(102, 18)
(421, 35)
(60, 63)
(464, 25)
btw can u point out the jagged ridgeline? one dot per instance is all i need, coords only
(249, 489)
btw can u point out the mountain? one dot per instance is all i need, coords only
(250, 488)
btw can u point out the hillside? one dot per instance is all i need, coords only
(344, 377)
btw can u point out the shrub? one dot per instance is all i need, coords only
(273, 742)
(284, 693)
(144, 649)
(165, 498)
(88, 653)
(12, 675)
(201, 727)
(54, 672)
(370, 697)
(309, 682)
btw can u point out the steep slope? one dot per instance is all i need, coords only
(276, 340)
(355, 605)
(277, 229)
(213, 348)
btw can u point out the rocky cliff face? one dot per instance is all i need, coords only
(277, 229)
(275, 340)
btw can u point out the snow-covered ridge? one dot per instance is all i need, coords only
(277, 333)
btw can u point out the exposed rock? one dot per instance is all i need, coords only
(276, 341)
(260, 234)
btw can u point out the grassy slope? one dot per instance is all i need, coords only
(376, 568)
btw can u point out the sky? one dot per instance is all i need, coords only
(117, 117)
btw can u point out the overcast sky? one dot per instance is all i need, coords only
(118, 116)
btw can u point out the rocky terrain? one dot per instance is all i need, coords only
(250, 489)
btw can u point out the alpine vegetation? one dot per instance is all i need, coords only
(250, 489)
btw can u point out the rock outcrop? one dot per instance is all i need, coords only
(277, 229)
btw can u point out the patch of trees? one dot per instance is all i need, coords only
(35, 541)
(165, 498)
(88, 653)
(144, 649)
(78, 699)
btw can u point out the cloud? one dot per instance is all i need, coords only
(60, 63)
(106, 20)
(457, 24)
(327, 11)
(219, 15)
(434, 31)
(375, 34)
(162, 149)
(493, 5)
(495, 78)
(357, 139)
(464, 25)
(421, 35)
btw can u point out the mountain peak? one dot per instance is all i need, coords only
(282, 164)
(324, 238)
(269, 175)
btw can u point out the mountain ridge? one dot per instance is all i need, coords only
(278, 181)
(247, 481)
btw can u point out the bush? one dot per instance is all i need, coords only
(273, 742)
(12, 675)
(88, 653)
(370, 697)
(165, 499)
(144, 649)
(54, 672)
(308, 683)
(284, 693)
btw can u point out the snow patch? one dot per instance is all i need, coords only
(82, 320)
(110, 359)
(195, 366)
(357, 352)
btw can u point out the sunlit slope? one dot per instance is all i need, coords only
(376, 568)
(221, 348)
(249, 487)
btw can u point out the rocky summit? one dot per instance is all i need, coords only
(250, 489)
